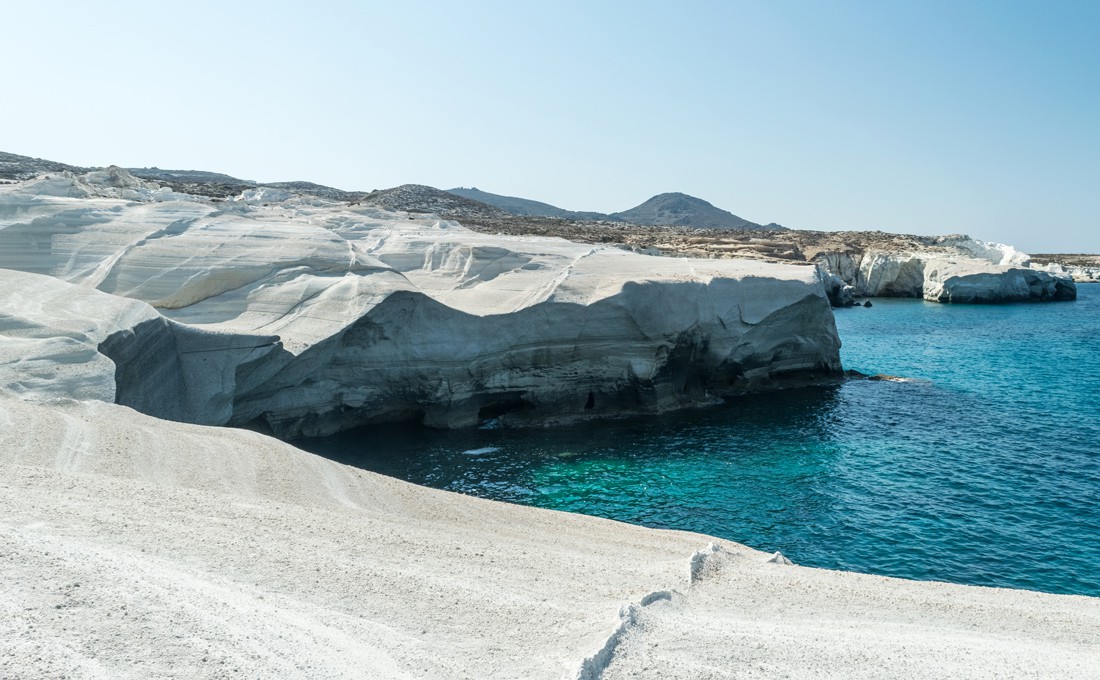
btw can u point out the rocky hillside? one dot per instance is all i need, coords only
(419, 198)
(681, 210)
(524, 206)
(195, 182)
(1067, 259)
(1082, 267)
(665, 210)
(320, 190)
(14, 167)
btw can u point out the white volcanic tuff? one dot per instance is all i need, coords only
(994, 253)
(484, 323)
(58, 340)
(131, 546)
(50, 332)
(384, 316)
(944, 278)
(955, 281)
(134, 547)
(112, 182)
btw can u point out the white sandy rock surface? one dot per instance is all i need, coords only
(134, 547)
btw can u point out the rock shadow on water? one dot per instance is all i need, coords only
(657, 470)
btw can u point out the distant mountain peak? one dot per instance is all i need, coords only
(523, 206)
(426, 199)
(684, 210)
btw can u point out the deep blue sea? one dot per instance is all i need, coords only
(982, 468)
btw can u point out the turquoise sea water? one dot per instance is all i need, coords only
(984, 468)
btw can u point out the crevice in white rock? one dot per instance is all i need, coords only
(593, 666)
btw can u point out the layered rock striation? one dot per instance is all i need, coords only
(298, 315)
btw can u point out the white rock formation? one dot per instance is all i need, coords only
(964, 281)
(994, 253)
(386, 316)
(977, 272)
(50, 332)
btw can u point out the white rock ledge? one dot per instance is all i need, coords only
(306, 317)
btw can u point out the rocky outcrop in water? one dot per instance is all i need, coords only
(306, 317)
(939, 277)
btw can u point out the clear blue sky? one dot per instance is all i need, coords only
(924, 117)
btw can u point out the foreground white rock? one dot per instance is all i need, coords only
(135, 547)
(307, 317)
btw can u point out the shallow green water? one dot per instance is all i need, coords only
(984, 468)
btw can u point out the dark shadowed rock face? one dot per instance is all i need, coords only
(677, 209)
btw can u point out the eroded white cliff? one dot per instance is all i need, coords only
(1079, 273)
(308, 317)
(958, 269)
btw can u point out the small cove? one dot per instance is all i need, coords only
(982, 468)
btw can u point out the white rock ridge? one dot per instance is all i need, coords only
(309, 317)
(977, 272)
